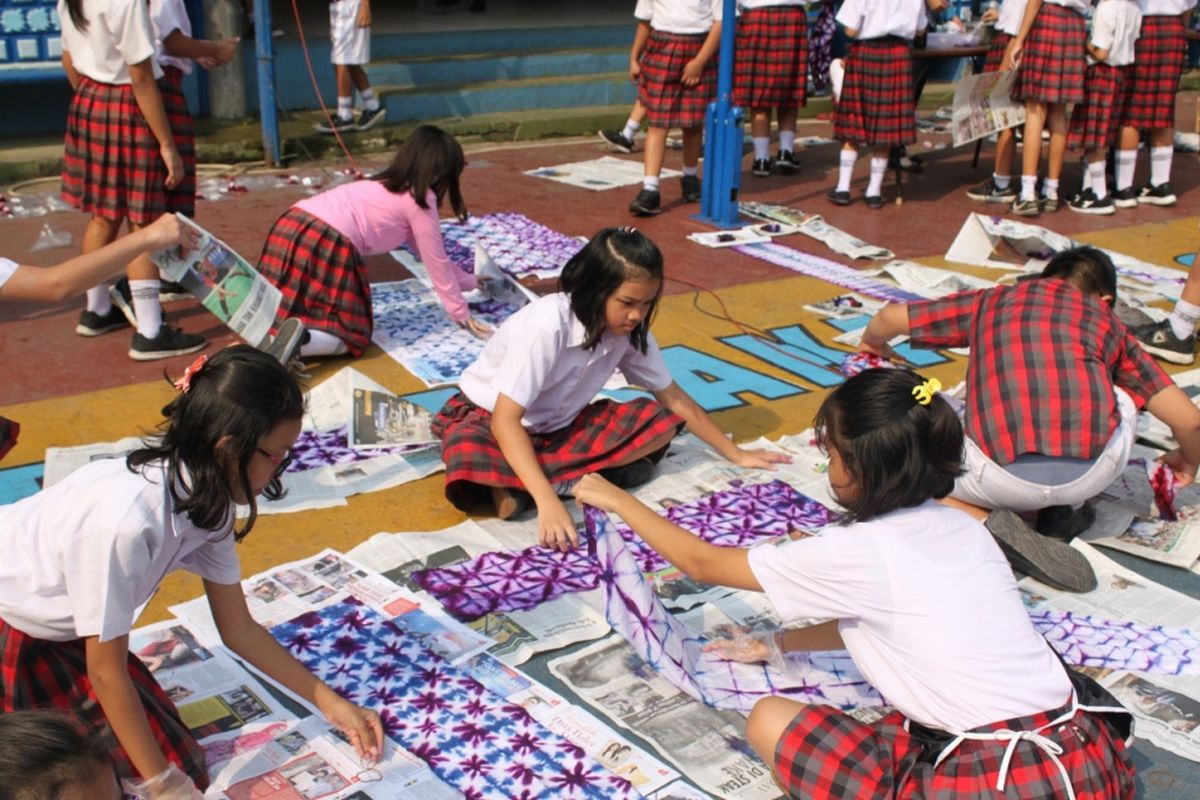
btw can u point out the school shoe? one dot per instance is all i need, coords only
(1159, 339)
(690, 184)
(1063, 522)
(286, 344)
(1161, 195)
(787, 162)
(761, 168)
(122, 298)
(340, 125)
(1125, 198)
(1050, 561)
(369, 119)
(838, 198)
(616, 140)
(1026, 208)
(1049, 202)
(989, 192)
(172, 292)
(647, 203)
(873, 201)
(509, 503)
(1086, 202)
(169, 342)
(93, 324)
(627, 476)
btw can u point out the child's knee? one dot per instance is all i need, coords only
(766, 724)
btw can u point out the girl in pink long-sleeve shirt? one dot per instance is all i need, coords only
(314, 252)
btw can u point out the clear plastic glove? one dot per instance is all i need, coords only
(170, 784)
(751, 647)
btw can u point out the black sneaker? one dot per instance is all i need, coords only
(1159, 339)
(1086, 202)
(1026, 208)
(172, 292)
(286, 344)
(1063, 522)
(93, 324)
(873, 201)
(339, 124)
(989, 192)
(838, 198)
(629, 475)
(369, 119)
(1049, 202)
(1051, 561)
(1125, 198)
(122, 298)
(616, 140)
(1161, 195)
(761, 167)
(690, 184)
(646, 204)
(787, 162)
(171, 341)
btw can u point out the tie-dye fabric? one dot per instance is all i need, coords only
(1085, 641)
(517, 244)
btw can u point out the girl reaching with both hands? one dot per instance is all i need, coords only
(524, 426)
(927, 606)
(86, 554)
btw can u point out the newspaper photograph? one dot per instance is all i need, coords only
(1128, 520)
(1166, 717)
(983, 106)
(381, 419)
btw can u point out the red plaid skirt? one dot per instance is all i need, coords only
(995, 53)
(670, 104)
(321, 276)
(1096, 121)
(1159, 57)
(770, 67)
(181, 199)
(603, 434)
(825, 753)
(35, 673)
(876, 106)
(1054, 60)
(112, 167)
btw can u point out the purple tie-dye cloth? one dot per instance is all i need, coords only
(517, 244)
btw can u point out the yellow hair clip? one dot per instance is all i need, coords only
(925, 392)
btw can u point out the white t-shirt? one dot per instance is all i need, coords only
(929, 611)
(1165, 8)
(82, 557)
(680, 16)
(1116, 25)
(1011, 13)
(118, 34)
(766, 3)
(537, 359)
(877, 18)
(166, 17)
(7, 268)
(1078, 6)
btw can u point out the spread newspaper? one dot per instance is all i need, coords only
(982, 106)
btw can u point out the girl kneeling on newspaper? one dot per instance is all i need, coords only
(84, 556)
(524, 424)
(922, 598)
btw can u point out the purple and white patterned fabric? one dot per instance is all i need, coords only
(854, 363)
(472, 738)
(1085, 641)
(520, 580)
(316, 449)
(517, 244)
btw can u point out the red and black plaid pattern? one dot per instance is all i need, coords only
(603, 434)
(112, 167)
(1159, 56)
(181, 199)
(321, 276)
(1054, 58)
(995, 53)
(1096, 121)
(670, 104)
(876, 105)
(35, 673)
(771, 58)
(1044, 360)
(826, 753)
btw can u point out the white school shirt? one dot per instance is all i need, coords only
(680, 16)
(82, 557)
(874, 19)
(536, 358)
(929, 610)
(166, 17)
(1078, 6)
(7, 268)
(767, 3)
(1116, 25)
(1165, 8)
(118, 34)
(1011, 13)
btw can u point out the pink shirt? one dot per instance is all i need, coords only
(378, 221)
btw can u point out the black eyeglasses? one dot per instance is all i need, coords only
(281, 462)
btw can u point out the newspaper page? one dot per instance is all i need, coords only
(62, 461)
(983, 106)
(598, 174)
(498, 284)
(813, 226)
(381, 419)
(224, 283)
(1166, 708)
(932, 282)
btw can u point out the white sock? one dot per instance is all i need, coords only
(1160, 165)
(1029, 187)
(1001, 181)
(762, 148)
(345, 108)
(1126, 161)
(1085, 181)
(692, 170)
(322, 343)
(98, 300)
(1096, 180)
(1049, 187)
(1184, 318)
(632, 126)
(370, 101)
(146, 307)
(650, 182)
(878, 170)
(787, 141)
(846, 169)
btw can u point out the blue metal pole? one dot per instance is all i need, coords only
(264, 50)
(723, 137)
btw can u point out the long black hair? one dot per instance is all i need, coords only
(78, 18)
(46, 755)
(613, 256)
(232, 403)
(899, 452)
(430, 158)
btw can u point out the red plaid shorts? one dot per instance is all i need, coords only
(35, 673)
(876, 105)
(995, 53)
(1054, 60)
(321, 276)
(670, 104)
(181, 199)
(1159, 57)
(1096, 121)
(770, 67)
(603, 434)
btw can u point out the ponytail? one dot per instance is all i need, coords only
(78, 18)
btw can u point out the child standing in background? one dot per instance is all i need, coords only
(999, 188)
(677, 77)
(771, 72)
(349, 50)
(1096, 123)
